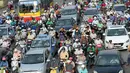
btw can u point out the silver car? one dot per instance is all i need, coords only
(90, 12)
(35, 61)
(69, 11)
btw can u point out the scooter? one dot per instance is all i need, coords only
(91, 59)
(15, 65)
(54, 70)
(29, 42)
(4, 70)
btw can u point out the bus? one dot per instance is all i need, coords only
(32, 8)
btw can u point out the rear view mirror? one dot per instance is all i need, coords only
(103, 34)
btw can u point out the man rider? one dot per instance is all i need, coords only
(4, 62)
(76, 44)
(110, 45)
(93, 35)
(49, 22)
(90, 48)
(78, 51)
(98, 41)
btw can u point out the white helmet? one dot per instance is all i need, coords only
(83, 66)
(76, 40)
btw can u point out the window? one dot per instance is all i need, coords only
(33, 59)
(116, 32)
(3, 31)
(26, 7)
(91, 12)
(119, 8)
(69, 12)
(40, 43)
(108, 60)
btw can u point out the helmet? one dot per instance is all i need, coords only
(129, 18)
(70, 58)
(76, 40)
(83, 66)
(3, 58)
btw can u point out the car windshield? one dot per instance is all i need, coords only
(69, 12)
(107, 60)
(119, 8)
(40, 43)
(33, 59)
(63, 22)
(116, 32)
(28, 7)
(3, 31)
(91, 12)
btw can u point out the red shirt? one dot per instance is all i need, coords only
(103, 5)
(90, 20)
(127, 4)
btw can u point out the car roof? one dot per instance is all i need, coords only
(116, 26)
(36, 51)
(119, 5)
(70, 7)
(108, 52)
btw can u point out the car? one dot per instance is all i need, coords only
(119, 36)
(109, 61)
(64, 22)
(7, 31)
(119, 8)
(90, 12)
(44, 41)
(35, 61)
(69, 11)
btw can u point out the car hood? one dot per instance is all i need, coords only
(117, 39)
(31, 67)
(114, 69)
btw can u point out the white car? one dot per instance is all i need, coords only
(119, 36)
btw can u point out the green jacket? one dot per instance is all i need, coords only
(49, 22)
(90, 49)
(13, 23)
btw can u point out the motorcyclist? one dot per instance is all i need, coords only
(78, 51)
(91, 48)
(23, 33)
(110, 45)
(4, 62)
(62, 35)
(49, 22)
(83, 69)
(31, 35)
(64, 55)
(95, 21)
(100, 25)
(93, 35)
(98, 41)
(81, 58)
(76, 44)
(6, 42)
(69, 65)
(54, 63)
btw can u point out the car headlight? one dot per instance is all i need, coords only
(121, 71)
(127, 41)
(95, 72)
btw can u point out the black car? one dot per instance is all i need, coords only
(109, 61)
(65, 22)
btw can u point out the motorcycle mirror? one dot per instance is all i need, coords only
(103, 34)
(48, 60)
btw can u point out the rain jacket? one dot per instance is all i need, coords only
(49, 23)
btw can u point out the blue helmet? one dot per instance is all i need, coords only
(129, 19)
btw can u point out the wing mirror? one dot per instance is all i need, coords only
(104, 34)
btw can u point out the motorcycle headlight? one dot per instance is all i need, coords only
(121, 71)
(95, 72)
(127, 41)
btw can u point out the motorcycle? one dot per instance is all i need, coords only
(79, 64)
(54, 70)
(98, 48)
(29, 42)
(4, 70)
(15, 65)
(91, 57)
